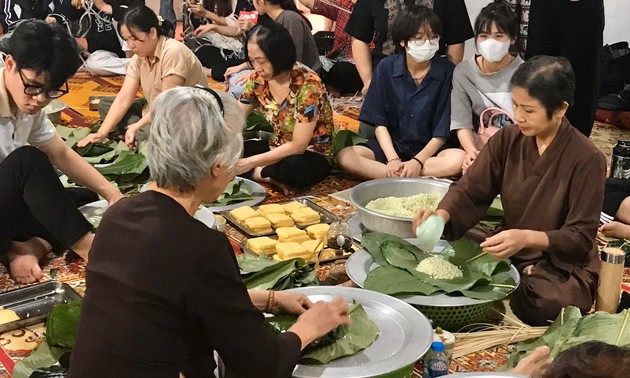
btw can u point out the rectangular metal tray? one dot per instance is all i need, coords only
(33, 303)
(325, 216)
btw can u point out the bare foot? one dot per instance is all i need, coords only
(83, 245)
(615, 230)
(257, 177)
(23, 259)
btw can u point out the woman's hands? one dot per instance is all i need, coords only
(130, 135)
(290, 303)
(468, 160)
(392, 168)
(506, 243)
(92, 138)
(203, 29)
(423, 215)
(197, 9)
(320, 319)
(410, 168)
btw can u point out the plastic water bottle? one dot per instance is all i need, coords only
(435, 361)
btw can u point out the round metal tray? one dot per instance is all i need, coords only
(405, 335)
(360, 263)
(258, 192)
(203, 215)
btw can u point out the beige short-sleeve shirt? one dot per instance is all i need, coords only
(20, 129)
(171, 58)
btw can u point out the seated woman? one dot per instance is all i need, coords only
(214, 42)
(551, 181)
(338, 68)
(38, 215)
(285, 13)
(170, 284)
(408, 104)
(159, 63)
(293, 98)
(96, 21)
(484, 80)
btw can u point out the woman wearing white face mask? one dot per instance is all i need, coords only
(484, 80)
(408, 103)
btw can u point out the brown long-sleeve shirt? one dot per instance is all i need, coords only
(163, 293)
(559, 192)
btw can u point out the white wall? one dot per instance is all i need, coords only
(617, 20)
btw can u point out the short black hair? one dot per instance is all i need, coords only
(549, 79)
(45, 48)
(142, 18)
(409, 20)
(500, 14)
(590, 359)
(275, 41)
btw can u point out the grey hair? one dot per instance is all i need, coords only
(189, 136)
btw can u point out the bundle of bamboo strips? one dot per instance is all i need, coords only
(493, 335)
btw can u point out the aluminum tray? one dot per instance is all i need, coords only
(325, 217)
(361, 263)
(33, 303)
(405, 335)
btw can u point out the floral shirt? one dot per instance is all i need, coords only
(307, 102)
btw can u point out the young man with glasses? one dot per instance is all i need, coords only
(38, 215)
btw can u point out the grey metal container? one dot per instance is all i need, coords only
(392, 187)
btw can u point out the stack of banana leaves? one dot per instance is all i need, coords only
(127, 169)
(262, 273)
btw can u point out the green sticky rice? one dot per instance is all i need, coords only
(404, 207)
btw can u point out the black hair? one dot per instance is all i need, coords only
(222, 8)
(275, 41)
(500, 14)
(290, 6)
(409, 20)
(591, 359)
(549, 79)
(142, 18)
(45, 48)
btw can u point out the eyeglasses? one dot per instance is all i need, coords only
(36, 90)
(216, 97)
(421, 39)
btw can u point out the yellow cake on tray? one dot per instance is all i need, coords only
(291, 250)
(305, 216)
(258, 225)
(292, 206)
(280, 220)
(291, 234)
(273, 208)
(240, 214)
(262, 245)
(318, 231)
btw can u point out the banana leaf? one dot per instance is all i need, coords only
(344, 341)
(62, 324)
(281, 275)
(483, 276)
(236, 191)
(343, 139)
(256, 121)
(249, 263)
(41, 357)
(570, 329)
(71, 135)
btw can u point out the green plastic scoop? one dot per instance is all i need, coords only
(429, 233)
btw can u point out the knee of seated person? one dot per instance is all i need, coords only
(539, 309)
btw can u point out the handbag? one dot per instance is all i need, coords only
(486, 125)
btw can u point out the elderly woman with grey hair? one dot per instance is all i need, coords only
(163, 290)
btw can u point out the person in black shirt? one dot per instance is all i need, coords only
(372, 20)
(163, 290)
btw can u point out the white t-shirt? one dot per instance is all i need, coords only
(17, 130)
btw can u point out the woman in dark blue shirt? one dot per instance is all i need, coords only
(409, 105)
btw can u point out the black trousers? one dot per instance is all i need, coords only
(33, 202)
(296, 171)
(574, 30)
(344, 77)
(211, 57)
(616, 190)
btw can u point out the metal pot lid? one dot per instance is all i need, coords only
(405, 335)
(360, 263)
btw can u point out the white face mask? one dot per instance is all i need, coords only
(422, 51)
(493, 50)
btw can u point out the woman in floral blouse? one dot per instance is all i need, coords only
(293, 99)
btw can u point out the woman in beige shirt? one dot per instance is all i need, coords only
(159, 63)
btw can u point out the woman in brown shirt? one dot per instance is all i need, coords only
(163, 290)
(551, 181)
